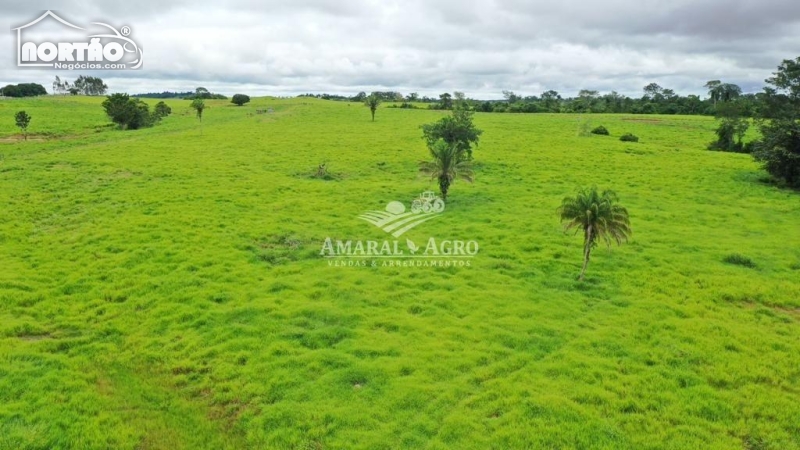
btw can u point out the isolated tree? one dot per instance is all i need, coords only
(240, 99)
(372, 101)
(446, 165)
(456, 130)
(23, 120)
(161, 110)
(598, 216)
(129, 113)
(199, 105)
(779, 117)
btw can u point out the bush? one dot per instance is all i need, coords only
(739, 260)
(628, 137)
(600, 130)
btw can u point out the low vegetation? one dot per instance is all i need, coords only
(155, 295)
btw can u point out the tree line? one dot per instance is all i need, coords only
(23, 90)
(655, 99)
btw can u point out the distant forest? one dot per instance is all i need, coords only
(654, 100)
(200, 92)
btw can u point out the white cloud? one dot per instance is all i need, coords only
(480, 47)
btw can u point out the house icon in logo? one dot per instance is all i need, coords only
(28, 25)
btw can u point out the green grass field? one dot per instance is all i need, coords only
(163, 288)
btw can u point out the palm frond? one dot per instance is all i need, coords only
(598, 212)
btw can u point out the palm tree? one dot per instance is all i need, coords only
(372, 102)
(448, 164)
(599, 216)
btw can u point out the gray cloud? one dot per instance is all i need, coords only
(480, 47)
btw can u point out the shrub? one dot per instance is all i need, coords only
(628, 137)
(600, 130)
(739, 260)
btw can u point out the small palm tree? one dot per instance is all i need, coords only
(373, 101)
(599, 216)
(448, 164)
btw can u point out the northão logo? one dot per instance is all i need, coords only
(106, 50)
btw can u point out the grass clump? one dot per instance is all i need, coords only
(739, 260)
(628, 137)
(601, 130)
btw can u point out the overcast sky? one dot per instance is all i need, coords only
(481, 47)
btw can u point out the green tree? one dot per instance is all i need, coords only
(713, 91)
(161, 110)
(456, 130)
(240, 99)
(446, 166)
(445, 101)
(730, 135)
(23, 120)
(732, 127)
(199, 106)
(372, 102)
(89, 85)
(129, 113)
(23, 90)
(779, 118)
(598, 216)
(550, 99)
(511, 97)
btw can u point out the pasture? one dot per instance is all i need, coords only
(163, 288)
